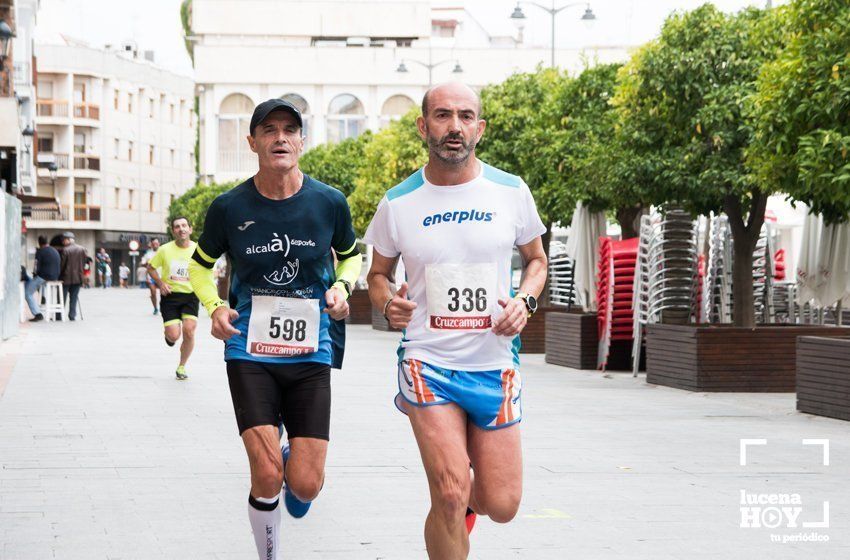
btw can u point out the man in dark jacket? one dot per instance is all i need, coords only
(71, 272)
(47, 262)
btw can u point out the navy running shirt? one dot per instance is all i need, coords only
(280, 248)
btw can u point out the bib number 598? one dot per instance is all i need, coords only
(467, 300)
(288, 329)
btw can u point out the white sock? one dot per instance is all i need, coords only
(264, 514)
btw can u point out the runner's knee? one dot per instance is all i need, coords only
(267, 478)
(452, 493)
(501, 508)
(306, 486)
(189, 329)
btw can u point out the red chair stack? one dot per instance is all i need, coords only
(615, 289)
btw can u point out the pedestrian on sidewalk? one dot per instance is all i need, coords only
(153, 247)
(71, 272)
(282, 232)
(103, 260)
(455, 223)
(107, 272)
(47, 261)
(178, 303)
(123, 274)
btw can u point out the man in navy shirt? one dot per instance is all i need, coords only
(46, 269)
(283, 325)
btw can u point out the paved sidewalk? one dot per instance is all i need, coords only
(103, 455)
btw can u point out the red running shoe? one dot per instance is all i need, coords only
(470, 520)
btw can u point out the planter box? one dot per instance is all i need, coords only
(379, 323)
(823, 376)
(725, 358)
(533, 336)
(571, 339)
(360, 308)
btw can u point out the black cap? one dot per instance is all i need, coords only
(68, 235)
(265, 108)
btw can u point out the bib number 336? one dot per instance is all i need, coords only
(283, 326)
(460, 296)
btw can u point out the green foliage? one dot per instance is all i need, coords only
(185, 19)
(682, 108)
(521, 115)
(388, 159)
(802, 108)
(337, 165)
(194, 204)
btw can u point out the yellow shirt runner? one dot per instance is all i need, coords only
(173, 263)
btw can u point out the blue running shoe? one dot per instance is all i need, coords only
(294, 506)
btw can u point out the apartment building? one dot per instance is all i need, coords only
(115, 137)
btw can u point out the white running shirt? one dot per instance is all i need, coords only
(456, 243)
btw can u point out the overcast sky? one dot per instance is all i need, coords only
(155, 24)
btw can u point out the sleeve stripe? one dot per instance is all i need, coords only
(200, 257)
(350, 250)
(205, 256)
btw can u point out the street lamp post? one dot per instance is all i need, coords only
(402, 68)
(518, 17)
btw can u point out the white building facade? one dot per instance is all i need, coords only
(339, 61)
(115, 140)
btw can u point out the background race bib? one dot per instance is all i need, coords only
(283, 326)
(461, 297)
(179, 271)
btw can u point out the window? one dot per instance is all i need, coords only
(116, 151)
(117, 198)
(301, 104)
(172, 156)
(116, 99)
(151, 155)
(129, 102)
(45, 142)
(151, 202)
(234, 119)
(170, 200)
(45, 89)
(130, 194)
(150, 108)
(79, 143)
(394, 108)
(130, 151)
(346, 118)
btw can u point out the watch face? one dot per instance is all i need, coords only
(532, 303)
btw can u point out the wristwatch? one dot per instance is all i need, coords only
(530, 302)
(346, 285)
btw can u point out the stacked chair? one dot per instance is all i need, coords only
(666, 282)
(717, 284)
(561, 276)
(615, 286)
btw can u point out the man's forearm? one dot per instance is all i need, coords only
(379, 289)
(534, 276)
(154, 274)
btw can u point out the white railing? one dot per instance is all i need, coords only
(233, 161)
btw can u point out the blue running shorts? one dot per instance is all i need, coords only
(491, 399)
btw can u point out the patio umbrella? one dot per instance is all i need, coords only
(834, 264)
(808, 268)
(583, 247)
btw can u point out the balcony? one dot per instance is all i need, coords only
(45, 213)
(86, 111)
(51, 108)
(233, 161)
(46, 158)
(86, 213)
(86, 162)
(22, 74)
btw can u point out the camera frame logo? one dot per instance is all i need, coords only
(784, 510)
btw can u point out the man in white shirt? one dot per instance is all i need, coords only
(454, 223)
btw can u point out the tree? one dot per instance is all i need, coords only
(388, 159)
(682, 106)
(591, 164)
(194, 203)
(522, 115)
(802, 109)
(338, 164)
